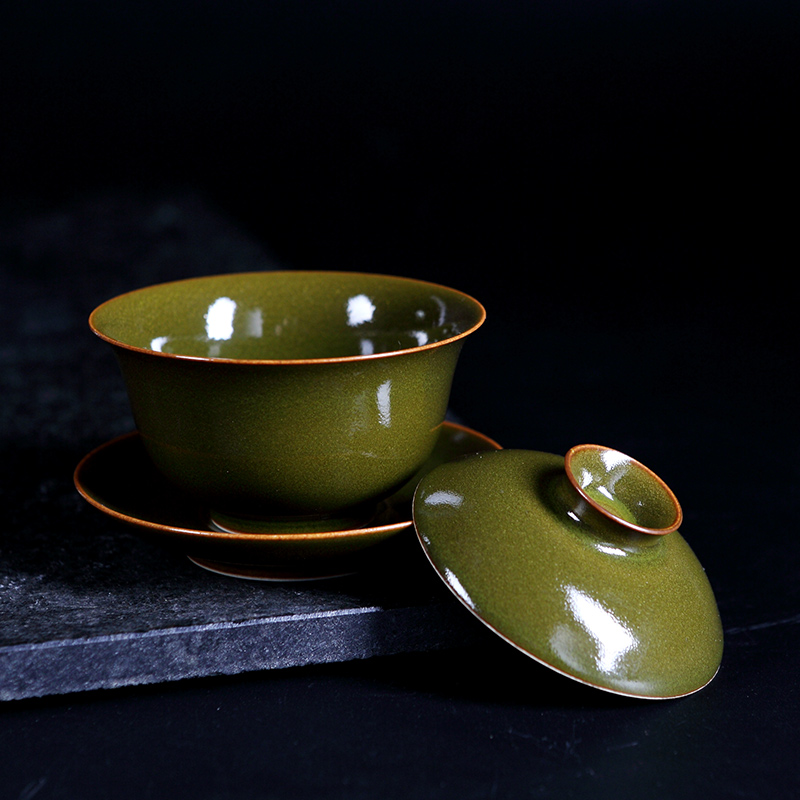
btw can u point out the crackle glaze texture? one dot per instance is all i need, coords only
(624, 611)
(289, 393)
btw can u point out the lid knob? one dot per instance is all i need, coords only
(622, 489)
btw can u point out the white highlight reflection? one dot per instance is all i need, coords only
(611, 458)
(158, 343)
(385, 403)
(254, 323)
(602, 490)
(610, 549)
(444, 498)
(360, 309)
(456, 585)
(442, 309)
(421, 337)
(219, 319)
(613, 639)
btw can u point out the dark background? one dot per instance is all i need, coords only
(616, 182)
(583, 165)
(620, 148)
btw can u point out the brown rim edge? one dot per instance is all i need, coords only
(631, 525)
(293, 361)
(241, 537)
(544, 663)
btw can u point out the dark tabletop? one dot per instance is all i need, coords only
(614, 181)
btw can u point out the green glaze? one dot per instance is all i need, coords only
(119, 479)
(623, 489)
(613, 607)
(278, 394)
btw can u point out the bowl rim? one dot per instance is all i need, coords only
(289, 361)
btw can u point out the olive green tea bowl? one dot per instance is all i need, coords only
(289, 397)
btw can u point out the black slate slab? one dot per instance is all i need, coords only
(86, 603)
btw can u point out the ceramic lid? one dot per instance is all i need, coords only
(576, 561)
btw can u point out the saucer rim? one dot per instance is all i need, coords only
(244, 537)
(265, 573)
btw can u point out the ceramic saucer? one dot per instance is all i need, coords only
(119, 479)
(577, 563)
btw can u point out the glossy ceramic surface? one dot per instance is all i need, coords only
(119, 479)
(623, 489)
(289, 393)
(599, 601)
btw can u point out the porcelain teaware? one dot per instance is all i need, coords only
(578, 562)
(289, 395)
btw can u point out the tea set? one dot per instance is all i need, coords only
(290, 424)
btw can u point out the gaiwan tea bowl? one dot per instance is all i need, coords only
(289, 398)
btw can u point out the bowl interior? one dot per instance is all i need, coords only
(276, 316)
